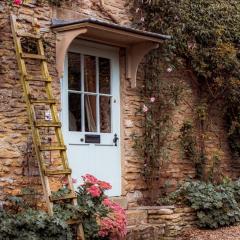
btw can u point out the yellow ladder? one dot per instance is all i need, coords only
(36, 125)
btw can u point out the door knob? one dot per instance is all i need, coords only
(115, 139)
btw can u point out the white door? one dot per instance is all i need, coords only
(91, 112)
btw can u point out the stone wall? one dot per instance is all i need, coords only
(15, 135)
(155, 223)
(18, 166)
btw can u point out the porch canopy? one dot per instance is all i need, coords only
(136, 42)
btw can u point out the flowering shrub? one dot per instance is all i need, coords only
(17, 2)
(103, 219)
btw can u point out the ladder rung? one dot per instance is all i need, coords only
(57, 172)
(37, 78)
(47, 124)
(47, 147)
(33, 56)
(46, 101)
(28, 35)
(73, 221)
(71, 195)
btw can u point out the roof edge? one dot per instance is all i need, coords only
(57, 23)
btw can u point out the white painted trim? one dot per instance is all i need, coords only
(98, 50)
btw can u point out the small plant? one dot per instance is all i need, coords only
(190, 149)
(32, 224)
(216, 205)
(102, 218)
(61, 192)
(188, 142)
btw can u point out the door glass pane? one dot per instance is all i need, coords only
(104, 75)
(74, 71)
(105, 114)
(89, 73)
(90, 113)
(74, 106)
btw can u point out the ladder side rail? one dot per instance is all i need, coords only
(55, 117)
(53, 108)
(32, 117)
(30, 110)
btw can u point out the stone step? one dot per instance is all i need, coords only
(145, 231)
(136, 217)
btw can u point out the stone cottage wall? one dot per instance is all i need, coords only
(155, 223)
(18, 167)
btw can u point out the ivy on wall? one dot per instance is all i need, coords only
(160, 97)
(206, 35)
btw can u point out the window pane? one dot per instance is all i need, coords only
(105, 114)
(104, 75)
(89, 73)
(74, 102)
(74, 71)
(90, 113)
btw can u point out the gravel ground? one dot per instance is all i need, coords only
(227, 233)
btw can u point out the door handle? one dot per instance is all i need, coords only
(115, 139)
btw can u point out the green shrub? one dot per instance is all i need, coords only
(102, 218)
(216, 205)
(32, 225)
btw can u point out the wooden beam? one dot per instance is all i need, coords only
(134, 55)
(64, 40)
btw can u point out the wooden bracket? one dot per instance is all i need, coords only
(64, 40)
(134, 55)
(134, 52)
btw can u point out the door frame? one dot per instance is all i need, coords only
(99, 50)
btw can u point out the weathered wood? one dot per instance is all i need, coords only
(36, 124)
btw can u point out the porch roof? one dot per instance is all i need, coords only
(136, 42)
(108, 32)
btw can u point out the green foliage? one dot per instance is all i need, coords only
(92, 209)
(216, 205)
(66, 211)
(61, 192)
(32, 225)
(206, 34)
(190, 150)
(159, 99)
(188, 142)
(53, 2)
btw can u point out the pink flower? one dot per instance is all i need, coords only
(94, 191)
(114, 224)
(145, 108)
(65, 181)
(169, 69)
(17, 2)
(107, 202)
(152, 99)
(191, 45)
(88, 178)
(142, 19)
(74, 180)
(104, 185)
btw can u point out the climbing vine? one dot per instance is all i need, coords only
(205, 36)
(159, 99)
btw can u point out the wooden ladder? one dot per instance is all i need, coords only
(36, 125)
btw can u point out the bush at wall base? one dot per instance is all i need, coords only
(216, 205)
(32, 225)
(102, 218)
